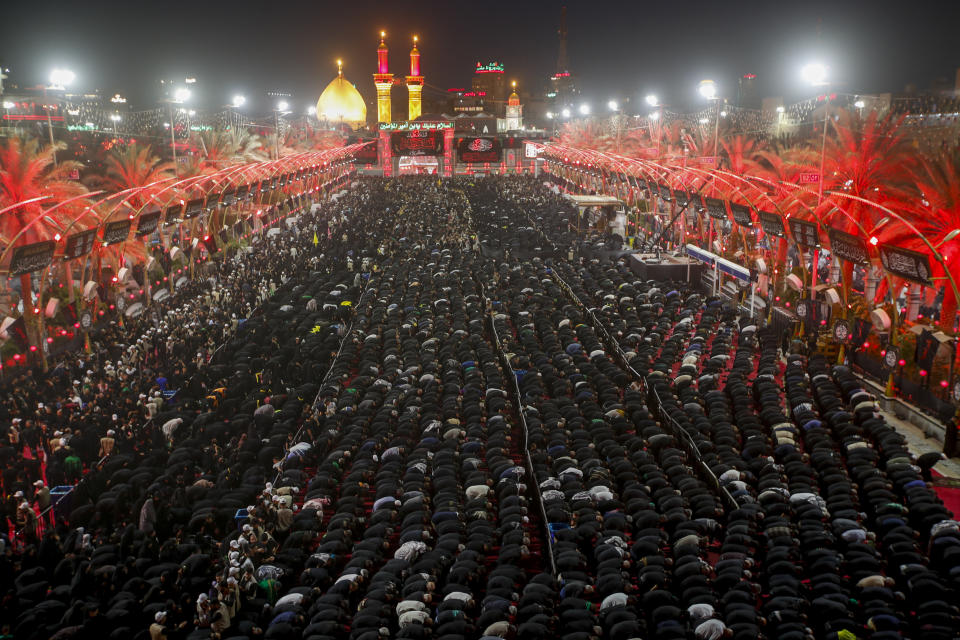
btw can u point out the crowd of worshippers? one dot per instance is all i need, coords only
(414, 415)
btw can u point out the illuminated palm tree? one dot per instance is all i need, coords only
(936, 215)
(28, 171)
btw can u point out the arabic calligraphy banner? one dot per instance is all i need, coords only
(904, 263)
(847, 246)
(32, 257)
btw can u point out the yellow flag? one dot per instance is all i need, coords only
(315, 239)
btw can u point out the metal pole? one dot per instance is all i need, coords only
(276, 131)
(716, 132)
(173, 141)
(46, 107)
(823, 150)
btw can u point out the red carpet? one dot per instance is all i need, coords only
(948, 490)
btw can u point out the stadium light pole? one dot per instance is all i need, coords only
(180, 96)
(281, 107)
(816, 74)
(708, 89)
(59, 79)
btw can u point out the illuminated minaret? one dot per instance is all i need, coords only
(514, 119)
(414, 83)
(383, 80)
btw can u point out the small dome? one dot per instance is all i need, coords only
(341, 102)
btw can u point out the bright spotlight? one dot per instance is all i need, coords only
(565, 113)
(549, 115)
(780, 109)
(612, 105)
(282, 105)
(585, 109)
(238, 101)
(312, 110)
(182, 94)
(652, 100)
(654, 115)
(708, 89)
(60, 78)
(814, 73)
(859, 104)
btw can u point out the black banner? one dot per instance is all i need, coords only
(771, 223)
(243, 191)
(682, 197)
(18, 332)
(148, 222)
(366, 154)
(193, 208)
(847, 246)
(805, 233)
(416, 143)
(716, 209)
(741, 214)
(114, 232)
(228, 198)
(79, 244)
(479, 150)
(904, 263)
(32, 257)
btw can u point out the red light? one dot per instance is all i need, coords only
(101, 312)
(164, 278)
(36, 310)
(56, 237)
(874, 240)
(777, 299)
(113, 279)
(923, 372)
(823, 322)
(49, 340)
(866, 345)
(111, 307)
(33, 347)
(902, 362)
(76, 325)
(16, 356)
(944, 384)
(883, 353)
(788, 304)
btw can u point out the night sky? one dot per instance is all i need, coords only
(616, 49)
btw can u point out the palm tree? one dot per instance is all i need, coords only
(135, 166)
(225, 148)
(28, 171)
(935, 212)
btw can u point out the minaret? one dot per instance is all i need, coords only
(514, 119)
(383, 80)
(414, 83)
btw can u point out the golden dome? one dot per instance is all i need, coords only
(341, 102)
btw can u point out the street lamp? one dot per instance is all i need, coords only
(116, 118)
(585, 109)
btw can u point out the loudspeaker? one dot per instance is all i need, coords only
(794, 282)
(761, 265)
(123, 274)
(52, 305)
(90, 290)
(832, 296)
(880, 319)
(175, 253)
